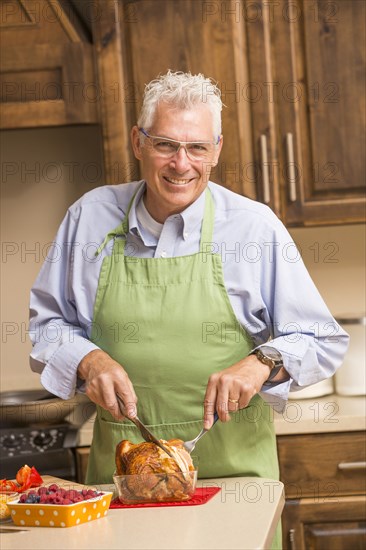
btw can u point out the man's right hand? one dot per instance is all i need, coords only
(104, 378)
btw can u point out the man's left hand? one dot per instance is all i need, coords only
(231, 389)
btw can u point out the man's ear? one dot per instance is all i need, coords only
(136, 142)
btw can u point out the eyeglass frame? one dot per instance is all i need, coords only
(181, 143)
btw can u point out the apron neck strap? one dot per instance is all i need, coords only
(121, 230)
(207, 222)
(206, 232)
(124, 223)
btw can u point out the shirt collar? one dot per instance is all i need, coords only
(132, 217)
(191, 216)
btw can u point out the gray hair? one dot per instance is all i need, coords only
(183, 90)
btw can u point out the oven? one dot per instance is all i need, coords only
(41, 430)
(50, 449)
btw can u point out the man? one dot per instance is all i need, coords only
(192, 303)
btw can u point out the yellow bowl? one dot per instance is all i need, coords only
(143, 488)
(5, 498)
(60, 515)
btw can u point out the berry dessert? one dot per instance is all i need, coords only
(53, 494)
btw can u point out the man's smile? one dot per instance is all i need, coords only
(177, 181)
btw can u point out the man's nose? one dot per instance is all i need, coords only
(180, 161)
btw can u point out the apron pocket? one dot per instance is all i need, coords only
(128, 430)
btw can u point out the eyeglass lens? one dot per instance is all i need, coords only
(194, 150)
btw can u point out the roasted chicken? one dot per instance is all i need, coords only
(151, 474)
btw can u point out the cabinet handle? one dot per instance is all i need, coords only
(265, 174)
(291, 167)
(352, 466)
(291, 537)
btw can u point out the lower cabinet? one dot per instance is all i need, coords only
(325, 488)
(325, 525)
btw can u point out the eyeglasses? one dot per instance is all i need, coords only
(195, 150)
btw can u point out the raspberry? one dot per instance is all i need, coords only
(57, 495)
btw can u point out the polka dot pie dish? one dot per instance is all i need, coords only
(56, 515)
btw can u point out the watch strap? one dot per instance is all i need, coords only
(274, 364)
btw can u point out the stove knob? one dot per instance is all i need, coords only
(11, 441)
(42, 439)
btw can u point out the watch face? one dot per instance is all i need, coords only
(272, 353)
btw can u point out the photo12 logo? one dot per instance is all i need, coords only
(270, 10)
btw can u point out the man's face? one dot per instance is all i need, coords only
(175, 183)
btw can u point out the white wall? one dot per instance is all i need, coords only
(336, 258)
(45, 170)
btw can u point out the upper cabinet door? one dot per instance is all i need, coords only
(47, 75)
(319, 51)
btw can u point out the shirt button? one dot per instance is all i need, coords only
(163, 254)
(185, 234)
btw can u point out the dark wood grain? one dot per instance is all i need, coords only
(112, 81)
(309, 464)
(181, 35)
(320, 64)
(47, 70)
(325, 506)
(340, 525)
(47, 87)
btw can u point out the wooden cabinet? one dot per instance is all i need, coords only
(291, 77)
(322, 525)
(306, 91)
(319, 52)
(47, 66)
(325, 488)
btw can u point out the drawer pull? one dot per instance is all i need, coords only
(291, 167)
(291, 536)
(265, 174)
(352, 466)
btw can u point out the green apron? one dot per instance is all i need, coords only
(170, 324)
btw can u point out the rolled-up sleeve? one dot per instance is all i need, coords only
(58, 338)
(301, 326)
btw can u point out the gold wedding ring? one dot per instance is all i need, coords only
(235, 401)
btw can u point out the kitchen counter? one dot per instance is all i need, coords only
(244, 514)
(332, 413)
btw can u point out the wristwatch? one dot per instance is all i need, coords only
(270, 357)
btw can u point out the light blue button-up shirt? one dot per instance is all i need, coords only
(269, 288)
